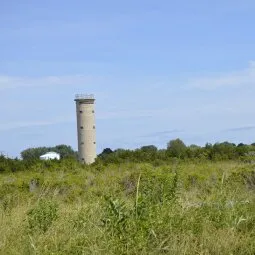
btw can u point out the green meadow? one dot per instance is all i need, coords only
(170, 207)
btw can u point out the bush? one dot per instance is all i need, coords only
(41, 217)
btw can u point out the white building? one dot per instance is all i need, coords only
(50, 155)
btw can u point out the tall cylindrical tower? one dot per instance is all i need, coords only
(86, 128)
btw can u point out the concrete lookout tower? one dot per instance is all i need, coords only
(86, 128)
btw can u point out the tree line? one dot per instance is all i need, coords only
(177, 149)
(65, 151)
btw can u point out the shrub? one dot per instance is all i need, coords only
(41, 217)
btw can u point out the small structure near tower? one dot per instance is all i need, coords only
(86, 127)
(50, 155)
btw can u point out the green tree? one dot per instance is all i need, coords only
(177, 148)
(194, 151)
(149, 148)
(106, 151)
(33, 153)
(224, 150)
(65, 151)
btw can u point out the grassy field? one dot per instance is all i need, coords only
(174, 208)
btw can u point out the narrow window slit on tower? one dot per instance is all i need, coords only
(81, 111)
(81, 127)
(94, 127)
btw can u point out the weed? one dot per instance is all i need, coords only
(41, 217)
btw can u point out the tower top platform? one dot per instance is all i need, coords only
(85, 98)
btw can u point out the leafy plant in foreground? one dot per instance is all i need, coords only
(41, 217)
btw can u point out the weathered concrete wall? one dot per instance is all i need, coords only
(86, 129)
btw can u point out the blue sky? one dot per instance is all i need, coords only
(159, 70)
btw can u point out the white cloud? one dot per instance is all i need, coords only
(34, 123)
(245, 77)
(10, 82)
(14, 125)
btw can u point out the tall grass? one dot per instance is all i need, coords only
(184, 208)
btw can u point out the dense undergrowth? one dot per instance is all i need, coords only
(174, 207)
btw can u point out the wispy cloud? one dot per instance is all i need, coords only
(241, 78)
(107, 115)
(162, 133)
(30, 123)
(239, 129)
(11, 82)
(125, 114)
